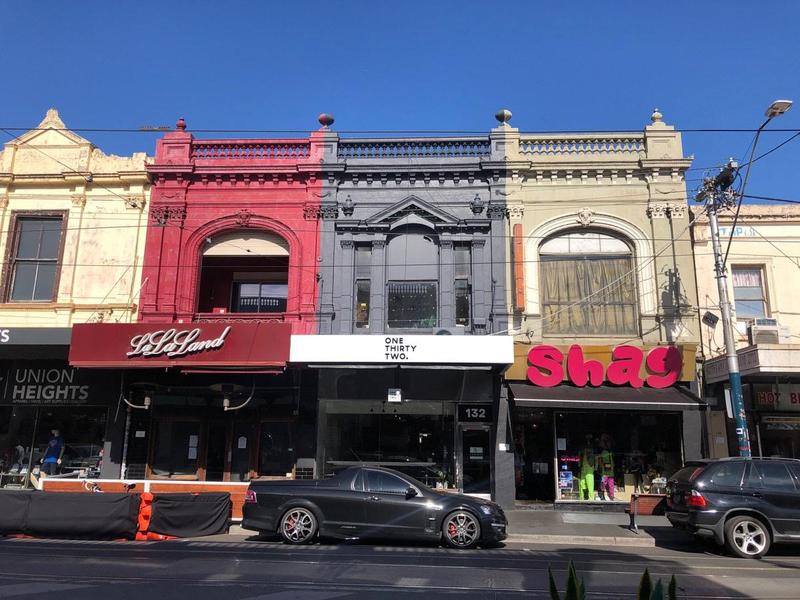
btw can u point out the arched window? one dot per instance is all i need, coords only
(588, 285)
(244, 272)
(412, 274)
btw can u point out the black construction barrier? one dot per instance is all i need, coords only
(70, 514)
(14, 510)
(191, 515)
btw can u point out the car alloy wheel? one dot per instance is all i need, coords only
(298, 526)
(747, 537)
(461, 530)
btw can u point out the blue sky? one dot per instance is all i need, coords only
(588, 65)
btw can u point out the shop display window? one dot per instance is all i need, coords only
(176, 450)
(415, 438)
(25, 433)
(607, 456)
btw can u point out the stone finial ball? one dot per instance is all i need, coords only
(325, 119)
(181, 124)
(656, 116)
(503, 115)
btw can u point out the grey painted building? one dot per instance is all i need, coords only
(410, 241)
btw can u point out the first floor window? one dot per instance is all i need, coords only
(412, 305)
(362, 303)
(258, 297)
(748, 293)
(588, 285)
(34, 259)
(463, 274)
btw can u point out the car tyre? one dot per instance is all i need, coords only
(461, 530)
(747, 536)
(298, 525)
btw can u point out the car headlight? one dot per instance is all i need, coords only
(486, 509)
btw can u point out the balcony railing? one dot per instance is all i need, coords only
(250, 150)
(593, 145)
(414, 148)
(246, 317)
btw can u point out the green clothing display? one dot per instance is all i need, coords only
(587, 461)
(586, 485)
(607, 463)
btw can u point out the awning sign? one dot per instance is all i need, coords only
(195, 344)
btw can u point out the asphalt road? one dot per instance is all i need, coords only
(263, 570)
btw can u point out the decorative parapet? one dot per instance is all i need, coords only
(409, 148)
(613, 146)
(250, 150)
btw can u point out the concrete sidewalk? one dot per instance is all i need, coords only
(557, 527)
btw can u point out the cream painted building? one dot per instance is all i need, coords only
(601, 259)
(763, 272)
(73, 229)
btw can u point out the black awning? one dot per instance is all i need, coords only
(605, 397)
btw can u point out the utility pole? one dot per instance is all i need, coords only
(716, 193)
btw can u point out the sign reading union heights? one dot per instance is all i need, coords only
(662, 365)
(194, 344)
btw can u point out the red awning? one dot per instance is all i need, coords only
(197, 345)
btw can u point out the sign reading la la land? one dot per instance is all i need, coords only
(662, 366)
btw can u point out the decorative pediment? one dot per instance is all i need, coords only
(412, 210)
(52, 132)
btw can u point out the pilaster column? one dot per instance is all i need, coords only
(447, 301)
(481, 285)
(345, 286)
(377, 288)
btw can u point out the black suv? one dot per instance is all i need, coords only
(744, 503)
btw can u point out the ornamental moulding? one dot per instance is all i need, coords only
(161, 215)
(585, 216)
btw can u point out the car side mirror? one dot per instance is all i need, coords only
(410, 493)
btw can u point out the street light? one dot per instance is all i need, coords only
(777, 108)
(716, 193)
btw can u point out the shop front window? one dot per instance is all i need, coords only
(416, 438)
(588, 285)
(26, 433)
(608, 456)
(177, 448)
(276, 455)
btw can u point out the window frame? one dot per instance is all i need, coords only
(437, 316)
(236, 297)
(762, 268)
(362, 326)
(12, 244)
(587, 256)
(467, 247)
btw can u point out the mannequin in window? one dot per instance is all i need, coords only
(605, 464)
(588, 462)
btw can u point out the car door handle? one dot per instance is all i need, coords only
(374, 498)
(757, 495)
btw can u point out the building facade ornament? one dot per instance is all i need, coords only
(585, 216)
(161, 215)
(496, 211)
(311, 212)
(243, 217)
(657, 210)
(78, 200)
(516, 211)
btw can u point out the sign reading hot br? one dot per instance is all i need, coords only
(396, 349)
(173, 343)
(663, 365)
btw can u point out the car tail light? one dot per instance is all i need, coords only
(250, 497)
(696, 500)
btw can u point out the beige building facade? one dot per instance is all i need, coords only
(600, 268)
(72, 230)
(763, 268)
(89, 211)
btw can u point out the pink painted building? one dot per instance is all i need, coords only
(234, 233)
